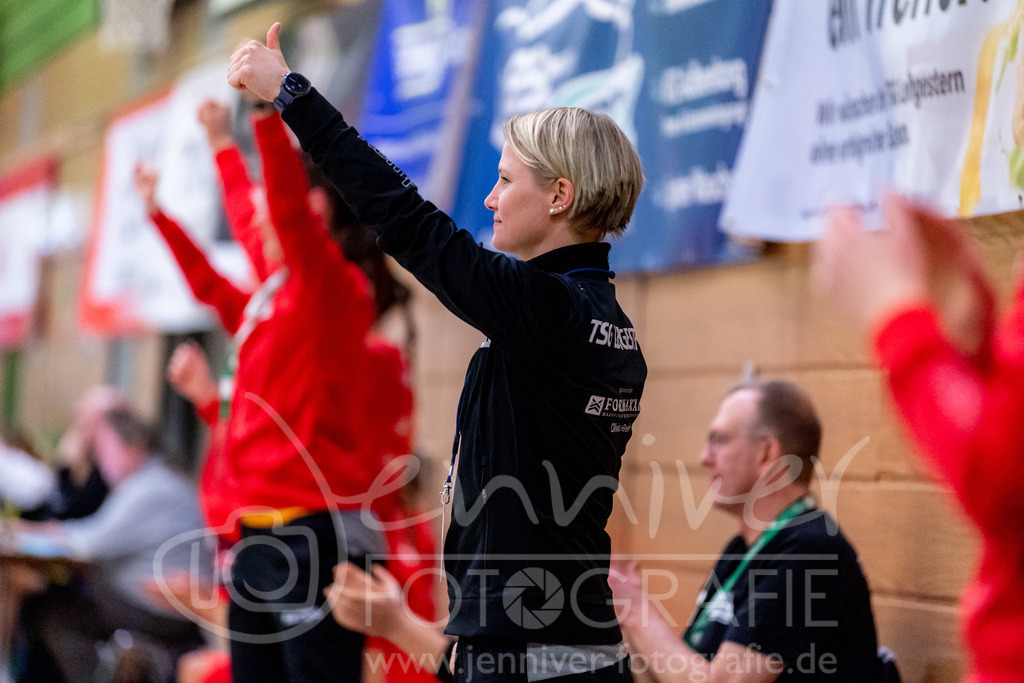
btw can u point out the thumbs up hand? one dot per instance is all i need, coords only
(259, 68)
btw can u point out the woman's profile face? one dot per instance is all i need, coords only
(522, 220)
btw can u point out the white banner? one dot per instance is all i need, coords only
(217, 8)
(131, 280)
(25, 197)
(857, 97)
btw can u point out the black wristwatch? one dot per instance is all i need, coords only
(293, 85)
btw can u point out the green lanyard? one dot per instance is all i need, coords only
(695, 632)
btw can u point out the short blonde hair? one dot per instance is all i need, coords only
(590, 151)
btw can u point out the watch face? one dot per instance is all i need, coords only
(296, 84)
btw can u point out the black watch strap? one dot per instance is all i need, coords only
(293, 86)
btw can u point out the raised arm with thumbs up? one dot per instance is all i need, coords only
(259, 68)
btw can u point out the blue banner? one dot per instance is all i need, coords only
(676, 75)
(412, 110)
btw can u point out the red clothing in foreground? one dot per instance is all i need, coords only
(216, 668)
(969, 423)
(413, 561)
(389, 408)
(294, 436)
(237, 190)
(411, 553)
(217, 487)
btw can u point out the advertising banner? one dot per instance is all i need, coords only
(860, 97)
(25, 199)
(334, 49)
(414, 109)
(131, 281)
(676, 75)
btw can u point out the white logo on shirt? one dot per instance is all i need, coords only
(606, 334)
(720, 608)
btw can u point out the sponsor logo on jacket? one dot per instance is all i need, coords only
(606, 334)
(603, 406)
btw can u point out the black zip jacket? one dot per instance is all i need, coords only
(546, 410)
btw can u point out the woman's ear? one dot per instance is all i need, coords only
(562, 196)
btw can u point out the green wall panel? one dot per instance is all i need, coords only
(33, 30)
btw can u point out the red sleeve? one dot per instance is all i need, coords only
(392, 398)
(209, 413)
(208, 286)
(216, 669)
(237, 188)
(1010, 339)
(421, 593)
(304, 240)
(969, 424)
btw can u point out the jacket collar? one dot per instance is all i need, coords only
(591, 257)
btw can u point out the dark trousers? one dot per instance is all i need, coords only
(281, 626)
(487, 660)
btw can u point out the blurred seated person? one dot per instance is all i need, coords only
(25, 481)
(75, 488)
(787, 600)
(79, 488)
(208, 608)
(131, 541)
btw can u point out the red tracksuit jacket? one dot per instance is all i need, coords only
(968, 420)
(296, 435)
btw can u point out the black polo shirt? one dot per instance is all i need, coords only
(803, 599)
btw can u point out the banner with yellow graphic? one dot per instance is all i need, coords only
(860, 97)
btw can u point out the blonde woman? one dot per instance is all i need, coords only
(551, 395)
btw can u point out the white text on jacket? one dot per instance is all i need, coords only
(606, 334)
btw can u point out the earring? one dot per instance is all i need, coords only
(551, 210)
